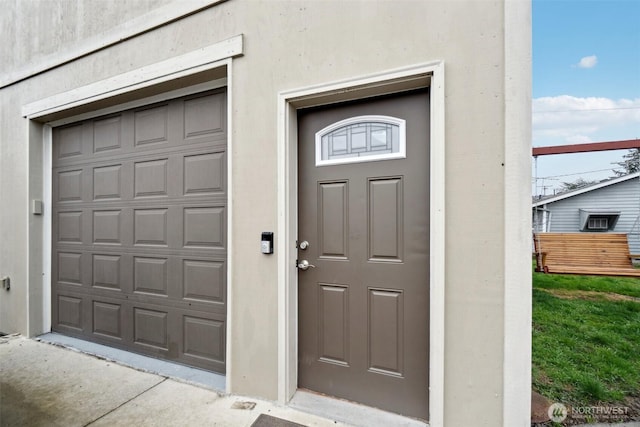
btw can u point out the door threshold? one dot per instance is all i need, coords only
(195, 376)
(348, 412)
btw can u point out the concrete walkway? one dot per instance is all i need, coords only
(46, 385)
(49, 385)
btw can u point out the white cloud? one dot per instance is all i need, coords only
(568, 119)
(578, 139)
(588, 62)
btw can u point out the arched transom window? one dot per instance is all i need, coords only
(361, 139)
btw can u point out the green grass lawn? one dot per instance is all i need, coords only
(620, 285)
(586, 338)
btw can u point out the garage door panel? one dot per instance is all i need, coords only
(144, 182)
(204, 227)
(70, 226)
(169, 275)
(70, 141)
(107, 182)
(193, 338)
(204, 281)
(70, 310)
(151, 275)
(151, 125)
(204, 115)
(204, 339)
(70, 184)
(68, 268)
(150, 328)
(107, 272)
(155, 302)
(108, 319)
(107, 134)
(108, 227)
(127, 158)
(194, 253)
(150, 227)
(139, 233)
(204, 173)
(150, 178)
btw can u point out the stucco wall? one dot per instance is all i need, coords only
(39, 28)
(290, 45)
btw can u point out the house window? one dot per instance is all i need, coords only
(596, 223)
(541, 220)
(594, 220)
(361, 139)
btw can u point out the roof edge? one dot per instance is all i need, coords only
(586, 189)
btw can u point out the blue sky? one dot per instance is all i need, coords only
(586, 84)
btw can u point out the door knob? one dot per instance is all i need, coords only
(304, 265)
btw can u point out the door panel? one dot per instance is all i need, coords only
(364, 308)
(333, 227)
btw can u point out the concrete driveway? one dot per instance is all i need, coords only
(46, 385)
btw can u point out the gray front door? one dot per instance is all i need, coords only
(364, 211)
(139, 230)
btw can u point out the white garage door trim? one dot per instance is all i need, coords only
(203, 59)
(40, 134)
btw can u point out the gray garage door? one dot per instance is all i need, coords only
(139, 230)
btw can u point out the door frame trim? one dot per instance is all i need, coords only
(39, 136)
(392, 81)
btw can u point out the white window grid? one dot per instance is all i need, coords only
(598, 224)
(361, 139)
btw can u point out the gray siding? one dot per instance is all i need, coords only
(624, 196)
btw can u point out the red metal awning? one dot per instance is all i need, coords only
(585, 148)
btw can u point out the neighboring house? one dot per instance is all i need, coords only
(609, 206)
(279, 192)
